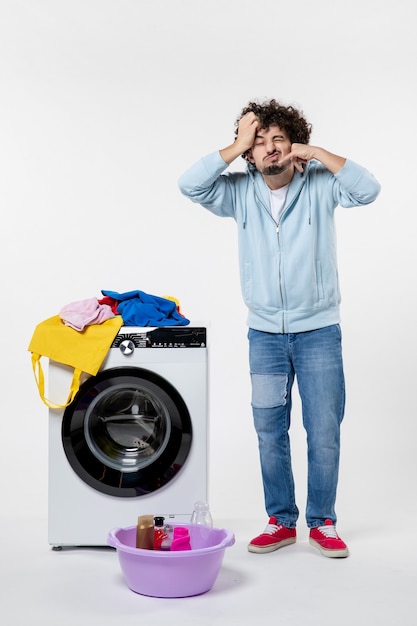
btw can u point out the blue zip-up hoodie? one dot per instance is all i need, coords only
(288, 270)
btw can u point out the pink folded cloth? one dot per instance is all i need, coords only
(83, 313)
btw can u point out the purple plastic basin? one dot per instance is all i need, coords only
(172, 574)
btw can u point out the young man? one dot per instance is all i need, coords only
(284, 208)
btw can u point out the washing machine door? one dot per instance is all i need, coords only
(127, 433)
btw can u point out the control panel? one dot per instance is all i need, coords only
(164, 337)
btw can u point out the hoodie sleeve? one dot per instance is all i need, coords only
(356, 186)
(205, 183)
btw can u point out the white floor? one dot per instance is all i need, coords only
(295, 586)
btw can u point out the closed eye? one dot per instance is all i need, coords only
(259, 140)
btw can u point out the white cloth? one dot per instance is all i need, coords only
(278, 198)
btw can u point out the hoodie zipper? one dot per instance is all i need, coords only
(277, 230)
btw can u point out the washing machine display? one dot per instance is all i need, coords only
(127, 433)
(134, 440)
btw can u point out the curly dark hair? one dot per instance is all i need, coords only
(288, 118)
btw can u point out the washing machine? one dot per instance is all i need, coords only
(134, 440)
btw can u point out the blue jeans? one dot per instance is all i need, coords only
(315, 358)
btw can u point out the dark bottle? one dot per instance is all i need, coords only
(160, 536)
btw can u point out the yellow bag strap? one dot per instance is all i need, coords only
(40, 381)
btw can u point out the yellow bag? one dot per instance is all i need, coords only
(83, 350)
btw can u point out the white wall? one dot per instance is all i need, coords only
(103, 104)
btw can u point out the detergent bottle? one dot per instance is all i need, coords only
(181, 540)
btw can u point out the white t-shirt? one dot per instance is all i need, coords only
(277, 198)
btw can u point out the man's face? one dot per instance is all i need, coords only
(269, 146)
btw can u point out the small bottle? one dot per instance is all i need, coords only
(167, 540)
(201, 515)
(159, 533)
(181, 540)
(144, 532)
(201, 526)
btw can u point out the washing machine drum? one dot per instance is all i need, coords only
(127, 433)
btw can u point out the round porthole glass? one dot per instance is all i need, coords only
(127, 433)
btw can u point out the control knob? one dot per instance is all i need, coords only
(127, 347)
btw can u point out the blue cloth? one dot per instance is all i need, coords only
(138, 308)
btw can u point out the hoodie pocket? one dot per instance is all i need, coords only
(319, 281)
(247, 282)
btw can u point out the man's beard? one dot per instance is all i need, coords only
(273, 170)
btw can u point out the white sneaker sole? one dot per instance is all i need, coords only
(335, 554)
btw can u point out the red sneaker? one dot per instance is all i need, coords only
(326, 539)
(274, 536)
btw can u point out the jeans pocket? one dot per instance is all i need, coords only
(269, 390)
